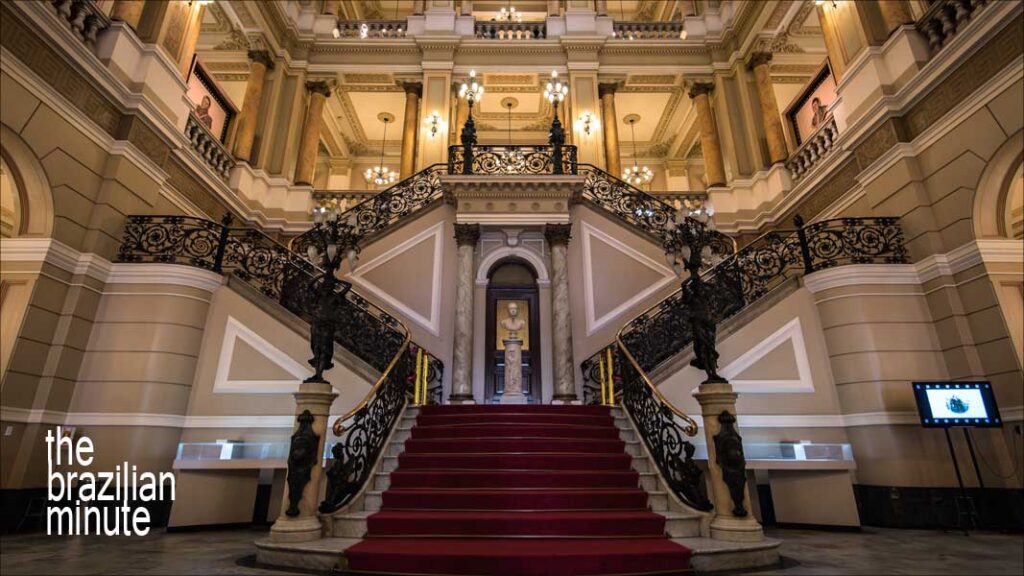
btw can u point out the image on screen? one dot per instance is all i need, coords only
(962, 403)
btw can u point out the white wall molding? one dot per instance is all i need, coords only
(433, 322)
(860, 275)
(593, 323)
(235, 331)
(792, 331)
(519, 251)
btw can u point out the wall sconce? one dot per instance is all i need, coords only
(587, 122)
(433, 122)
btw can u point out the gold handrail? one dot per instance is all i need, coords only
(338, 428)
(691, 424)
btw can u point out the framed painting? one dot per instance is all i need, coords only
(209, 104)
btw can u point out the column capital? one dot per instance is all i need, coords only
(558, 234)
(607, 88)
(413, 88)
(757, 59)
(467, 234)
(263, 57)
(700, 88)
(319, 87)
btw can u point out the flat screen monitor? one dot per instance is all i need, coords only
(944, 404)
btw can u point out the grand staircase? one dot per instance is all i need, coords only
(519, 490)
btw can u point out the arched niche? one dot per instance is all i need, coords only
(999, 189)
(29, 184)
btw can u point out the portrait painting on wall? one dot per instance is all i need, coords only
(209, 105)
(813, 108)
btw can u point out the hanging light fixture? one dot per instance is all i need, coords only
(381, 175)
(512, 161)
(634, 174)
(509, 14)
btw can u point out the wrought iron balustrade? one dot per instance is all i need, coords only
(343, 199)
(647, 30)
(501, 160)
(663, 330)
(363, 29)
(817, 146)
(511, 30)
(382, 209)
(84, 17)
(945, 18)
(208, 147)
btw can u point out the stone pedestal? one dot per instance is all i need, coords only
(316, 397)
(714, 399)
(513, 391)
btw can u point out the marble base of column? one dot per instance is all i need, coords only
(316, 397)
(513, 390)
(461, 399)
(714, 398)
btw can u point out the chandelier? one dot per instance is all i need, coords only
(509, 14)
(636, 175)
(381, 175)
(512, 161)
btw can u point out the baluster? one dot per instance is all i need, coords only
(962, 11)
(948, 23)
(80, 11)
(63, 8)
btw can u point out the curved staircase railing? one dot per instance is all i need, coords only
(366, 330)
(663, 330)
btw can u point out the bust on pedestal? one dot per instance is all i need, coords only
(513, 391)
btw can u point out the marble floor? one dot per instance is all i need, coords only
(216, 552)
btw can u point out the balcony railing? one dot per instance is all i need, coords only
(363, 29)
(945, 18)
(511, 30)
(813, 150)
(208, 147)
(84, 18)
(647, 30)
(499, 160)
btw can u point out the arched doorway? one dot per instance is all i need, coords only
(512, 280)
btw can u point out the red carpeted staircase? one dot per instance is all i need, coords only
(516, 490)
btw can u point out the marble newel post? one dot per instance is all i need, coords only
(512, 392)
(261, 62)
(733, 520)
(770, 118)
(558, 236)
(298, 521)
(714, 167)
(466, 237)
(319, 91)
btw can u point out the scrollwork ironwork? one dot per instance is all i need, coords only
(501, 160)
(171, 240)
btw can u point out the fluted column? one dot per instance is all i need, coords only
(261, 62)
(610, 127)
(557, 236)
(318, 93)
(128, 11)
(770, 118)
(714, 168)
(466, 237)
(413, 91)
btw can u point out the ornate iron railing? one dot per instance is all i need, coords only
(342, 199)
(643, 211)
(663, 330)
(363, 29)
(388, 206)
(500, 160)
(511, 30)
(647, 30)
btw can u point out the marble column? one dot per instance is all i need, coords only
(733, 518)
(332, 7)
(554, 9)
(895, 13)
(417, 6)
(714, 168)
(244, 137)
(128, 11)
(602, 7)
(467, 7)
(610, 127)
(466, 237)
(316, 397)
(461, 114)
(309, 141)
(770, 117)
(410, 128)
(557, 236)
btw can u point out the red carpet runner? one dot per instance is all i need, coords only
(516, 490)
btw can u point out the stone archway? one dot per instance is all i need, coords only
(29, 182)
(993, 196)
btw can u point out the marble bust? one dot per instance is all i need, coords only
(513, 323)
